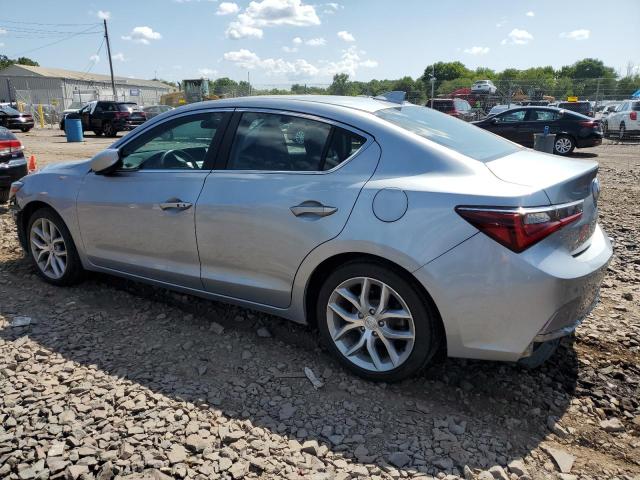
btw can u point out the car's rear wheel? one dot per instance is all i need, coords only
(376, 322)
(563, 145)
(109, 130)
(97, 133)
(51, 248)
(25, 129)
(4, 195)
(622, 133)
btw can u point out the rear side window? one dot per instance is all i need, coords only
(636, 106)
(443, 105)
(544, 115)
(450, 132)
(275, 142)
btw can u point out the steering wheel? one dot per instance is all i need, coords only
(178, 155)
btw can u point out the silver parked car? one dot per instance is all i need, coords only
(394, 229)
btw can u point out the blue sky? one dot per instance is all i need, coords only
(285, 41)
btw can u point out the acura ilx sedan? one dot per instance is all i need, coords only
(392, 229)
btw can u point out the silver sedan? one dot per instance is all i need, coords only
(393, 230)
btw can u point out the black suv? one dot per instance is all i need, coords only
(108, 117)
(13, 165)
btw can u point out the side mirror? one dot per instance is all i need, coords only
(495, 120)
(106, 161)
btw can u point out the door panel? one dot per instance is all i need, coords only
(124, 227)
(251, 242)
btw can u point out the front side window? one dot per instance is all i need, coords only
(448, 131)
(515, 116)
(275, 142)
(181, 144)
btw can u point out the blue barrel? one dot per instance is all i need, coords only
(73, 129)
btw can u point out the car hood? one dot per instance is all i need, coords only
(562, 179)
(78, 167)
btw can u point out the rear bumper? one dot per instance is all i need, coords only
(17, 124)
(494, 303)
(591, 141)
(11, 174)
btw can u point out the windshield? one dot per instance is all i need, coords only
(10, 111)
(128, 107)
(450, 132)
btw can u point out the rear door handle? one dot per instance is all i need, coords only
(313, 208)
(175, 204)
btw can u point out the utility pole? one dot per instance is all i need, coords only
(113, 83)
(597, 92)
(249, 81)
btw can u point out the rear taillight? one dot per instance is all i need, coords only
(589, 124)
(121, 114)
(8, 147)
(633, 115)
(520, 228)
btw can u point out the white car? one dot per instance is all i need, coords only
(484, 86)
(625, 120)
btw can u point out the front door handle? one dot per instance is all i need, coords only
(312, 208)
(175, 204)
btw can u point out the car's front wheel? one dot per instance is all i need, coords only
(376, 322)
(109, 130)
(563, 145)
(51, 248)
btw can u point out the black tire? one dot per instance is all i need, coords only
(425, 319)
(109, 130)
(622, 132)
(564, 138)
(74, 271)
(25, 129)
(97, 133)
(4, 196)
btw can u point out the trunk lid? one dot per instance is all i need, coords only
(563, 180)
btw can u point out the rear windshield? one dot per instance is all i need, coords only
(450, 132)
(128, 107)
(576, 106)
(6, 134)
(636, 106)
(10, 111)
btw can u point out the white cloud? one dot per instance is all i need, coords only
(1, 44)
(530, 14)
(289, 49)
(3, 31)
(103, 15)
(316, 42)
(177, 67)
(95, 58)
(227, 8)
(142, 35)
(207, 72)
(271, 13)
(502, 22)
(331, 8)
(517, 37)
(581, 34)
(346, 36)
(118, 56)
(272, 66)
(477, 50)
(349, 63)
(297, 40)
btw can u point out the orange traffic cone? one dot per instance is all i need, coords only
(33, 165)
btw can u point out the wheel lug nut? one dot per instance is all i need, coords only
(372, 311)
(360, 315)
(362, 329)
(381, 323)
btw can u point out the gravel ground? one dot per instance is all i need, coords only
(113, 379)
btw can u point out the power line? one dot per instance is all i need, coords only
(50, 24)
(53, 43)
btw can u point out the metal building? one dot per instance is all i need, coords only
(60, 88)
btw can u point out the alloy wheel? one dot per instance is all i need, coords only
(48, 248)
(563, 145)
(370, 324)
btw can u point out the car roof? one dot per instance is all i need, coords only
(367, 104)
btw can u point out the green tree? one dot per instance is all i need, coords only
(341, 85)
(6, 61)
(444, 71)
(223, 86)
